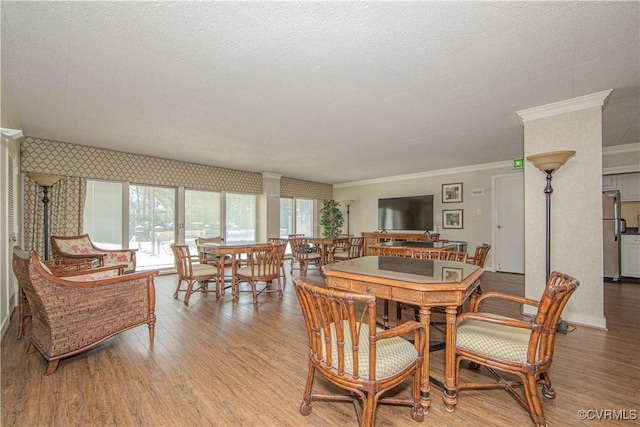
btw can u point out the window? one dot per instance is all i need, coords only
(286, 217)
(240, 218)
(103, 214)
(304, 217)
(151, 224)
(201, 215)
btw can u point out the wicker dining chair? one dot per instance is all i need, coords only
(351, 251)
(478, 258)
(523, 349)
(348, 350)
(442, 255)
(69, 317)
(285, 242)
(263, 264)
(191, 273)
(304, 254)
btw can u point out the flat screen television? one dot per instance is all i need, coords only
(406, 213)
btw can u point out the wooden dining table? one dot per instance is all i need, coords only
(420, 282)
(234, 251)
(326, 245)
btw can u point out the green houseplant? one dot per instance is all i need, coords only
(331, 219)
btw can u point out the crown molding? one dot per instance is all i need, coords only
(271, 175)
(567, 106)
(621, 149)
(428, 174)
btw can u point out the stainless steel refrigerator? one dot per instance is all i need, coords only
(611, 229)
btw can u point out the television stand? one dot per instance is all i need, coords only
(373, 238)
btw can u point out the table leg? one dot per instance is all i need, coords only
(235, 284)
(450, 398)
(425, 387)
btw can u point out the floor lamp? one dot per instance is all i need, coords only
(549, 163)
(45, 181)
(348, 203)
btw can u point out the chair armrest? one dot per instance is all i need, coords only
(96, 255)
(107, 281)
(94, 273)
(475, 303)
(411, 326)
(505, 321)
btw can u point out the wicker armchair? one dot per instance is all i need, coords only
(191, 273)
(304, 254)
(263, 264)
(352, 250)
(76, 276)
(478, 258)
(285, 242)
(347, 349)
(69, 317)
(81, 247)
(523, 349)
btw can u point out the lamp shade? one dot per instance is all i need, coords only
(550, 161)
(348, 202)
(44, 180)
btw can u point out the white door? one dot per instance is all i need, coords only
(8, 228)
(508, 224)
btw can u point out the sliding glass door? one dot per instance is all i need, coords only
(304, 217)
(152, 219)
(240, 218)
(202, 214)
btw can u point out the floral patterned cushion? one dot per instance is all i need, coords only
(105, 274)
(82, 246)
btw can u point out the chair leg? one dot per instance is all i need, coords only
(535, 408)
(385, 314)
(188, 292)
(152, 330)
(547, 388)
(175, 294)
(22, 319)
(254, 291)
(52, 366)
(369, 410)
(417, 412)
(305, 406)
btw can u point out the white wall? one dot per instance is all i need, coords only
(477, 209)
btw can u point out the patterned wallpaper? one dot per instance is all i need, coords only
(62, 158)
(290, 187)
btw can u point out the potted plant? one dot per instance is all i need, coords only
(331, 219)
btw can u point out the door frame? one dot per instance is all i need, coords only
(494, 221)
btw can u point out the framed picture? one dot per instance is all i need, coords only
(451, 274)
(452, 193)
(452, 218)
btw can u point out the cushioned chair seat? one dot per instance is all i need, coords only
(497, 341)
(393, 355)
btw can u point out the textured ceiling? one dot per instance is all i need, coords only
(326, 91)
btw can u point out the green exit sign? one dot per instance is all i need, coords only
(518, 163)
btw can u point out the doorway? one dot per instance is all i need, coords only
(508, 226)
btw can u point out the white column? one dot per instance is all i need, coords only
(576, 203)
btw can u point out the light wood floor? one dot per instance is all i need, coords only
(222, 363)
